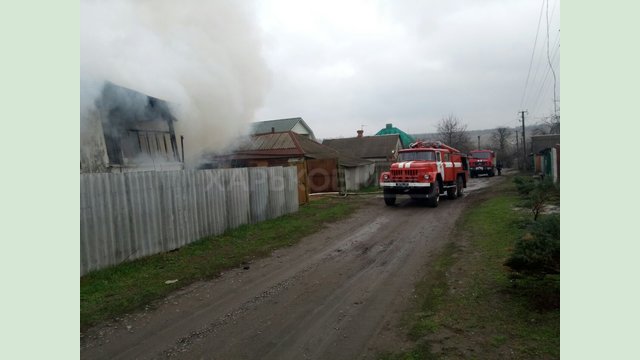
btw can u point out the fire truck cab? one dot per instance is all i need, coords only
(482, 162)
(424, 171)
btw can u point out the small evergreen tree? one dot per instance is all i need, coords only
(537, 253)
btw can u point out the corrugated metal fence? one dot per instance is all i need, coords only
(381, 166)
(131, 215)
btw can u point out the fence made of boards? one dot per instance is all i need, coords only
(130, 215)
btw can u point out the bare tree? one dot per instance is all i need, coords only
(553, 123)
(548, 125)
(501, 142)
(453, 132)
(500, 137)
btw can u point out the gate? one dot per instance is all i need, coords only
(322, 175)
(303, 193)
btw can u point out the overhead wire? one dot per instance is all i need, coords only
(556, 47)
(533, 97)
(535, 43)
(553, 72)
(535, 104)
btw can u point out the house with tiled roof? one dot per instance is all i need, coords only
(320, 168)
(374, 148)
(381, 149)
(296, 125)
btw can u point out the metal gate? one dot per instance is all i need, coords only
(322, 175)
(303, 193)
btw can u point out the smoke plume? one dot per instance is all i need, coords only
(203, 57)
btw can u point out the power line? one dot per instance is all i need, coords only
(534, 100)
(533, 97)
(555, 103)
(535, 43)
(542, 87)
(539, 61)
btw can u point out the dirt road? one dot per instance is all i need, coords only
(338, 294)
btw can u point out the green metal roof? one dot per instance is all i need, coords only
(405, 138)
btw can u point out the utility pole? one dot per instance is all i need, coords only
(517, 146)
(524, 142)
(478, 142)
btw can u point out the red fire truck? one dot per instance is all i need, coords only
(482, 162)
(424, 171)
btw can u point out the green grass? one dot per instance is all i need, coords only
(109, 293)
(370, 189)
(469, 296)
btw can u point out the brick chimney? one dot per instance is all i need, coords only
(360, 132)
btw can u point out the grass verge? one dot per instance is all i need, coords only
(109, 293)
(468, 306)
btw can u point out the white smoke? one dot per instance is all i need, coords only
(203, 57)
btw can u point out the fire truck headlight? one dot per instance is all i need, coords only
(426, 176)
(386, 177)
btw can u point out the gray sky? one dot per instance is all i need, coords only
(342, 64)
(338, 64)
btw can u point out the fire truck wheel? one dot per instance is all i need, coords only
(459, 187)
(451, 193)
(389, 198)
(434, 195)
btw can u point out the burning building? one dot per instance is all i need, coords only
(126, 130)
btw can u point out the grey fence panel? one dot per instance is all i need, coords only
(134, 214)
(191, 212)
(291, 189)
(258, 194)
(219, 205)
(152, 197)
(103, 207)
(237, 185)
(201, 205)
(88, 258)
(167, 207)
(122, 236)
(276, 192)
(181, 209)
(138, 222)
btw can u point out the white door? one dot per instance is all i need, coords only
(440, 165)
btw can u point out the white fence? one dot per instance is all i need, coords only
(131, 215)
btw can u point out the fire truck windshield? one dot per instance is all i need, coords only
(417, 155)
(481, 155)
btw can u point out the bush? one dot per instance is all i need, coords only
(544, 192)
(537, 253)
(537, 193)
(524, 184)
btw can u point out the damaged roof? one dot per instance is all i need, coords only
(125, 105)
